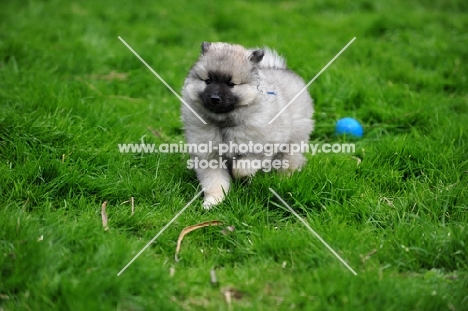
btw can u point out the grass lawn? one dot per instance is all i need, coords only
(395, 210)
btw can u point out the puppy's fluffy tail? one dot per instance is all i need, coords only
(272, 60)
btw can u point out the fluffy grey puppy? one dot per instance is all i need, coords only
(237, 91)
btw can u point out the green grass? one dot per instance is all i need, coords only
(70, 91)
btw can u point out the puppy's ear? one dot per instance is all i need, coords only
(256, 56)
(204, 47)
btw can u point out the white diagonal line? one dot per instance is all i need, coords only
(311, 81)
(315, 233)
(160, 232)
(162, 80)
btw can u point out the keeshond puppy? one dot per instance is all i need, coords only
(237, 92)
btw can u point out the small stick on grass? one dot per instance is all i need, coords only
(155, 133)
(230, 293)
(192, 228)
(171, 271)
(227, 296)
(104, 216)
(132, 204)
(357, 159)
(213, 280)
(366, 257)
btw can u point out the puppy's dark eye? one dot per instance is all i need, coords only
(231, 84)
(208, 81)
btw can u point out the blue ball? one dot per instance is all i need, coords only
(349, 127)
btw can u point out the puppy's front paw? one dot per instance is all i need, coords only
(215, 184)
(211, 201)
(239, 172)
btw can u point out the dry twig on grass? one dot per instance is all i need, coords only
(366, 257)
(155, 132)
(104, 216)
(132, 204)
(213, 279)
(229, 293)
(189, 229)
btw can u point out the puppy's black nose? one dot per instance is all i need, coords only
(215, 99)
